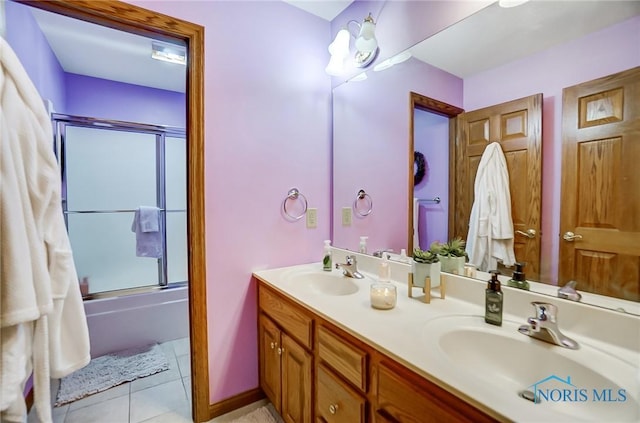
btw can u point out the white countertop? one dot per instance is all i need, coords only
(400, 333)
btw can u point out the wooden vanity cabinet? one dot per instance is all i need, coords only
(328, 375)
(286, 365)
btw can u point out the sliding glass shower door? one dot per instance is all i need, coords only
(109, 170)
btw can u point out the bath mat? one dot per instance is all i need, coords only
(111, 370)
(266, 414)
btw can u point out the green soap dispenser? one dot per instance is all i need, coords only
(493, 300)
(518, 279)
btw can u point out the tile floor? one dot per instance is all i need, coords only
(161, 398)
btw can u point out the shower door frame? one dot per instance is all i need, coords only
(60, 123)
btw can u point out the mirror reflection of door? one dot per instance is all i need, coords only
(600, 224)
(517, 126)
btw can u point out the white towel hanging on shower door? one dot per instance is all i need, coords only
(146, 225)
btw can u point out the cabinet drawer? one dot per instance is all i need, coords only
(344, 358)
(336, 402)
(290, 317)
(402, 396)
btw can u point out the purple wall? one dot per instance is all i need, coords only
(608, 51)
(431, 138)
(100, 98)
(371, 145)
(401, 24)
(28, 42)
(267, 129)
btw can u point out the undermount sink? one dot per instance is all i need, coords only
(332, 283)
(587, 383)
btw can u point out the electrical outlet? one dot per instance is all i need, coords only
(312, 218)
(346, 216)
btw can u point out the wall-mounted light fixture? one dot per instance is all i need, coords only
(366, 47)
(171, 53)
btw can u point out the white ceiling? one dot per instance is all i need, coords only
(508, 34)
(495, 36)
(88, 49)
(326, 9)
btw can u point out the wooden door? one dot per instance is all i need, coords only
(296, 382)
(601, 186)
(269, 344)
(517, 126)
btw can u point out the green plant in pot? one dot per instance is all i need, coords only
(426, 264)
(452, 255)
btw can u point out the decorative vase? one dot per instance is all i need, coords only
(453, 265)
(421, 271)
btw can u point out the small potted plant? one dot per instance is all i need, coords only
(426, 264)
(452, 255)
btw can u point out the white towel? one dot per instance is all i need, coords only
(146, 225)
(416, 223)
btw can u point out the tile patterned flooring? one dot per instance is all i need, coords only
(161, 398)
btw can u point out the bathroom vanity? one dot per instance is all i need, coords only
(327, 355)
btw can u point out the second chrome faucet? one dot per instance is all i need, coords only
(544, 326)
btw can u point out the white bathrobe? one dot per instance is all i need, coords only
(490, 236)
(43, 327)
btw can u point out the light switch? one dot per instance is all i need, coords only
(312, 218)
(346, 216)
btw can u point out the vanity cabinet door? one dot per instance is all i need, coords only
(269, 342)
(296, 381)
(402, 396)
(336, 402)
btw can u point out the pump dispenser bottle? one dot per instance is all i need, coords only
(518, 279)
(326, 259)
(493, 300)
(363, 244)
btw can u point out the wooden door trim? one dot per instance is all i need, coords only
(134, 19)
(419, 101)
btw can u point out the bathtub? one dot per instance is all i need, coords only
(118, 323)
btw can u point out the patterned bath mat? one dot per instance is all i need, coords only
(111, 370)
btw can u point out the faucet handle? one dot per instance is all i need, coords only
(351, 260)
(545, 311)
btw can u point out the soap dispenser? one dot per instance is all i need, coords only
(493, 300)
(363, 244)
(384, 269)
(326, 259)
(518, 279)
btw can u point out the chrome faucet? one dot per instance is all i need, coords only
(544, 326)
(568, 292)
(350, 268)
(379, 253)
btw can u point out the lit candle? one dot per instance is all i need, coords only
(383, 295)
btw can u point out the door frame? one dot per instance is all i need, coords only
(136, 20)
(419, 101)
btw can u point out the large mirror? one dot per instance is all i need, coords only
(539, 48)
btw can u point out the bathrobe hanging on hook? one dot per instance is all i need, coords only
(490, 237)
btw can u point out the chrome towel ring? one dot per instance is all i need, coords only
(294, 194)
(366, 198)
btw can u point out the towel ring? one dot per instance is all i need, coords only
(362, 195)
(294, 194)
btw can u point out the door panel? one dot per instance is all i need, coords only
(269, 337)
(296, 382)
(517, 126)
(601, 186)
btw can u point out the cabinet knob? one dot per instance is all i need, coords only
(273, 345)
(280, 351)
(333, 408)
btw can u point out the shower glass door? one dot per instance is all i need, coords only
(108, 172)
